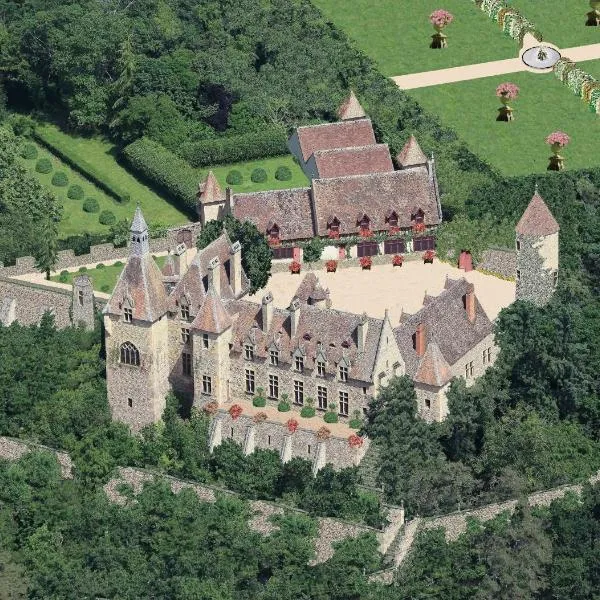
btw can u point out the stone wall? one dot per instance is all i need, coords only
(12, 449)
(499, 262)
(537, 262)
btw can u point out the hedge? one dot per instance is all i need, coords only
(77, 162)
(271, 141)
(164, 170)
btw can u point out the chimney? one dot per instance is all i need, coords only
(469, 302)
(229, 201)
(214, 274)
(267, 312)
(420, 340)
(235, 268)
(362, 330)
(294, 317)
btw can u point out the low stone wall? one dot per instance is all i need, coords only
(12, 449)
(499, 262)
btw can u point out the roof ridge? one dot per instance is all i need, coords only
(329, 124)
(377, 174)
(346, 148)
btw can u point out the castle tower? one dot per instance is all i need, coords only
(537, 253)
(82, 306)
(211, 200)
(135, 322)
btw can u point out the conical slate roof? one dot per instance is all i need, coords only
(212, 316)
(351, 108)
(210, 190)
(433, 368)
(537, 219)
(411, 154)
(138, 225)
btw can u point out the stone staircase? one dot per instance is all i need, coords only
(369, 466)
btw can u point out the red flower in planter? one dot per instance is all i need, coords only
(235, 411)
(295, 266)
(333, 235)
(355, 441)
(259, 417)
(323, 434)
(210, 408)
(292, 425)
(366, 262)
(394, 230)
(366, 233)
(331, 266)
(429, 255)
(418, 227)
(397, 260)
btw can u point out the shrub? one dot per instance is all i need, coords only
(105, 288)
(60, 179)
(64, 276)
(259, 401)
(355, 423)
(119, 263)
(313, 250)
(91, 205)
(234, 178)
(258, 175)
(44, 165)
(75, 192)
(307, 412)
(29, 152)
(100, 266)
(330, 417)
(83, 269)
(283, 406)
(283, 173)
(107, 217)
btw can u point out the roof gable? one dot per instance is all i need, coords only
(433, 369)
(351, 108)
(359, 160)
(212, 316)
(411, 154)
(210, 190)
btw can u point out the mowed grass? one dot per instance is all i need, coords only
(561, 22)
(397, 33)
(592, 67)
(544, 105)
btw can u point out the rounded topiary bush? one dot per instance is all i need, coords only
(118, 264)
(100, 266)
(283, 174)
(307, 412)
(283, 406)
(60, 179)
(44, 165)
(82, 269)
(75, 192)
(91, 205)
(258, 176)
(64, 276)
(355, 423)
(125, 198)
(259, 401)
(234, 178)
(107, 217)
(29, 152)
(330, 417)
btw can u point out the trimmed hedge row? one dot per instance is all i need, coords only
(233, 149)
(75, 161)
(164, 170)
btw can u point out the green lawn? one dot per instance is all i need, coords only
(544, 105)
(397, 33)
(562, 22)
(592, 67)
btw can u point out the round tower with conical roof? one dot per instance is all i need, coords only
(537, 252)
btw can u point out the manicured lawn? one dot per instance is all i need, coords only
(562, 22)
(397, 33)
(592, 67)
(544, 105)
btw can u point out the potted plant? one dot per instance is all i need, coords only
(506, 92)
(284, 404)
(365, 233)
(594, 15)
(274, 242)
(331, 266)
(557, 140)
(428, 256)
(259, 417)
(397, 260)
(365, 263)
(308, 410)
(439, 19)
(333, 234)
(292, 425)
(418, 227)
(394, 230)
(210, 408)
(356, 421)
(331, 415)
(235, 411)
(295, 267)
(323, 434)
(355, 441)
(259, 400)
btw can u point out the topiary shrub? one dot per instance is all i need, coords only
(107, 217)
(60, 179)
(64, 276)
(258, 175)
(234, 178)
(284, 404)
(44, 165)
(118, 264)
(29, 152)
(83, 269)
(100, 266)
(259, 401)
(283, 174)
(75, 192)
(330, 417)
(91, 205)
(307, 412)
(355, 423)
(125, 198)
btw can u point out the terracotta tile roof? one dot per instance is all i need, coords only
(210, 190)
(169, 268)
(141, 284)
(310, 288)
(375, 195)
(446, 322)
(359, 160)
(350, 108)
(212, 316)
(343, 134)
(433, 368)
(537, 219)
(289, 209)
(411, 154)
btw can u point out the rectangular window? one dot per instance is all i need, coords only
(299, 392)
(274, 357)
(130, 402)
(487, 356)
(308, 449)
(185, 312)
(518, 245)
(273, 387)
(250, 381)
(299, 364)
(185, 335)
(186, 363)
(127, 315)
(80, 298)
(518, 274)
(555, 277)
(322, 397)
(206, 385)
(248, 352)
(427, 403)
(205, 340)
(320, 368)
(343, 373)
(469, 370)
(344, 403)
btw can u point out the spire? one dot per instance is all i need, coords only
(411, 155)
(351, 108)
(537, 220)
(139, 234)
(210, 190)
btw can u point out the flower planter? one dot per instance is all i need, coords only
(355, 441)
(506, 92)
(428, 256)
(323, 434)
(235, 411)
(292, 425)
(439, 19)
(557, 141)
(211, 408)
(397, 260)
(295, 268)
(259, 417)
(331, 266)
(593, 17)
(365, 263)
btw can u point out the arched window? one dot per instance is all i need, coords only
(130, 355)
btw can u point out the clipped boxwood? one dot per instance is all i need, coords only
(44, 165)
(118, 263)
(330, 417)
(83, 269)
(355, 423)
(75, 192)
(234, 178)
(64, 276)
(258, 175)
(29, 152)
(283, 173)
(259, 401)
(100, 266)
(60, 179)
(107, 217)
(91, 205)
(307, 412)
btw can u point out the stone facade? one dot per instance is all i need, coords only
(537, 267)
(500, 262)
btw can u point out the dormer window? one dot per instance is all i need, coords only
(393, 219)
(365, 223)
(299, 364)
(248, 352)
(418, 216)
(343, 373)
(127, 315)
(185, 312)
(274, 357)
(321, 368)
(334, 227)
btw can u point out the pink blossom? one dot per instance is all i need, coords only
(441, 18)
(507, 90)
(558, 137)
